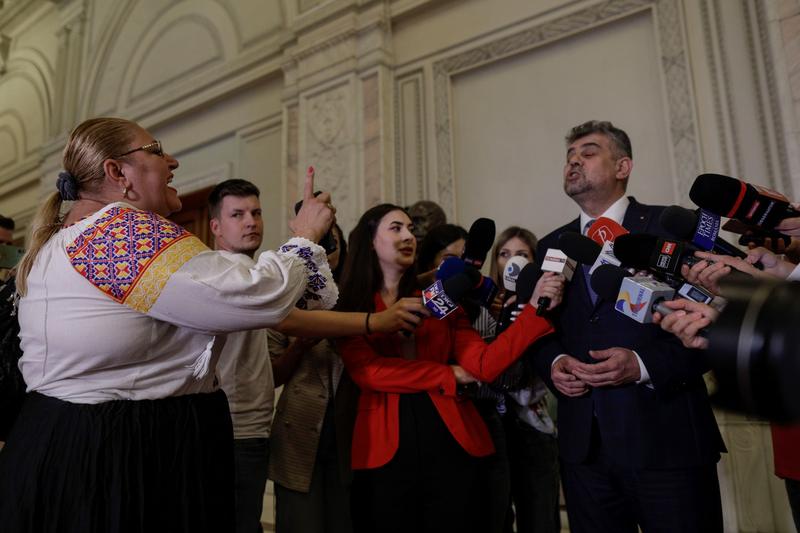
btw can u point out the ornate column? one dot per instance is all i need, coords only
(338, 106)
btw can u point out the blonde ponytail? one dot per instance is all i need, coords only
(89, 145)
(45, 224)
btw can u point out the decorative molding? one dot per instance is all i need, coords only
(720, 87)
(14, 123)
(410, 158)
(674, 64)
(5, 48)
(371, 133)
(783, 180)
(680, 100)
(292, 158)
(10, 147)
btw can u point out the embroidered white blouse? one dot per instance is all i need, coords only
(128, 305)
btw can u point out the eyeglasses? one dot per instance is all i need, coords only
(154, 148)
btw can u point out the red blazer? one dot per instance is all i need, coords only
(376, 365)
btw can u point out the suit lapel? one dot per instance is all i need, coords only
(637, 217)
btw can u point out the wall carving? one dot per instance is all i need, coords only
(329, 139)
(674, 65)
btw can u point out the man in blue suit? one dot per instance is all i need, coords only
(638, 440)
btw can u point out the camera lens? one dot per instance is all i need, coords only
(754, 349)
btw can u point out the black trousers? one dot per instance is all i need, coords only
(430, 485)
(251, 461)
(605, 497)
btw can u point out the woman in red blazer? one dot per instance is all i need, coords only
(415, 439)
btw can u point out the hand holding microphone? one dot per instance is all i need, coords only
(557, 262)
(688, 321)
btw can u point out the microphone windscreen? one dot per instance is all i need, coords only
(719, 194)
(635, 250)
(605, 230)
(606, 281)
(526, 282)
(511, 272)
(578, 247)
(479, 241)
(450, 267)
(459, 285)
(680, 222)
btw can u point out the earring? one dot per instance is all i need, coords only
(124, 192)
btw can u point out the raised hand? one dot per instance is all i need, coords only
(316, 215)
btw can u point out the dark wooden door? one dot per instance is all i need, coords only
(194, 215)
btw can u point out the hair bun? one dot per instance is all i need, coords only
(67, 186)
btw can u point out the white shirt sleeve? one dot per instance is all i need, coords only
(218, 292)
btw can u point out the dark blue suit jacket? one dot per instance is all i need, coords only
(668, 426)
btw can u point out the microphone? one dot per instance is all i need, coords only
(579, 247)
(479, 241)
(701, 228)
(554, 261)
(484, 290)
(615, 283)
(526, 284)
(604, 231)
(648, 252)
(449, 267)
(443, 297)
(733, 198)
(511, 272)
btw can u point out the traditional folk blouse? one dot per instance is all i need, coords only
(128, 305)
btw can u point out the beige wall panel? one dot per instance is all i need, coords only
(255, 20)
(451, 23)
(510, 118)
(260, 162)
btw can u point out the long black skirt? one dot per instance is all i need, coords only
(120, 466)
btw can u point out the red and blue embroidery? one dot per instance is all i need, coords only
(124, 247)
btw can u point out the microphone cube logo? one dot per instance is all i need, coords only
(668, 248)
(707, 230)
(436, 300)
(602, 234)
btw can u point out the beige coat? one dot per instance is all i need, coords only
(300, 412)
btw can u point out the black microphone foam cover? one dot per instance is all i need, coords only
(634, 250)
(719, 193)
(607, 279)
(479, 241)
(526, 282)
(680, 222)
(456, 287)
(579, 247)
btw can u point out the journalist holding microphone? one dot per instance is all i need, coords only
(416, 441)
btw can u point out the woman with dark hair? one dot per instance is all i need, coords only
(441, 242)
(416, 441)
(123, 315)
